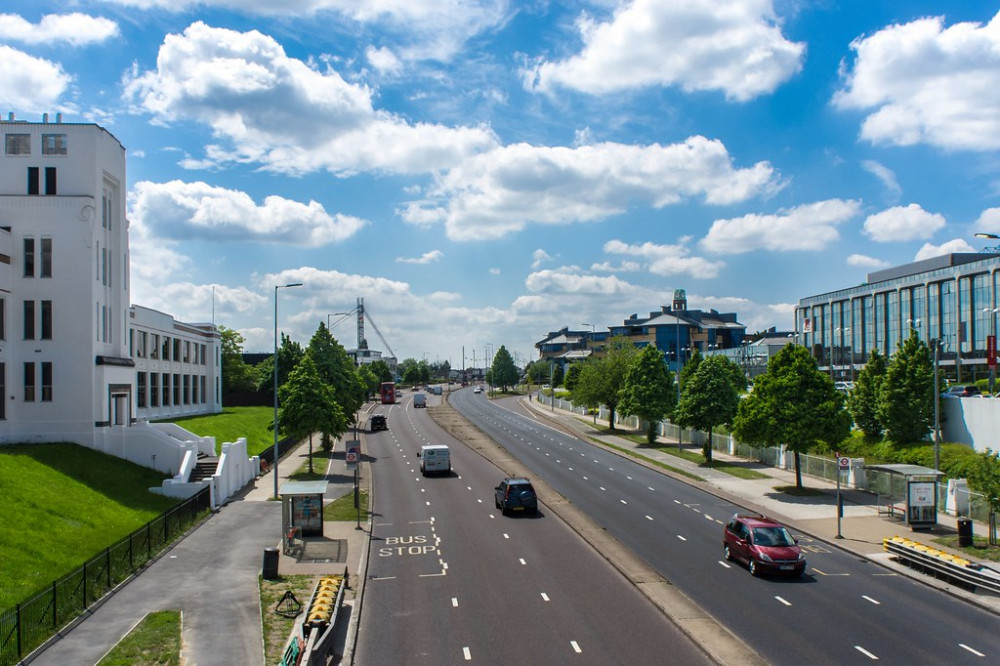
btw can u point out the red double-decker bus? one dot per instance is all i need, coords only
(388, 392)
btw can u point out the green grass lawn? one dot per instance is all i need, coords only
(62, 504)
(254, 423)
(156, 641)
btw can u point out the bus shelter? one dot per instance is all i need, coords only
(301, 511)
(921, 493)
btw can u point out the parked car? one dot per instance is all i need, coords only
(764, 544)
(516, 494)
(377, 422)
(967, 391)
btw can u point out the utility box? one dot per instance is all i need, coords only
(957, 502)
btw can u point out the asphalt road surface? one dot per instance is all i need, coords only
(451, 580)
(845, 610)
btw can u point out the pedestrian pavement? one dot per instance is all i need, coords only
(861, 530)
(210, 575)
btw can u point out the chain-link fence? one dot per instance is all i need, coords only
(33, 621)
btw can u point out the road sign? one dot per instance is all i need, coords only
(353, 454)
(844, 462)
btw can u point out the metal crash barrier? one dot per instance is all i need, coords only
(954, 568)
(312, 636)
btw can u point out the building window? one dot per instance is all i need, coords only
(202, 389)
(29, 382)
(17, 144)
(177, 389)
(46, 320)
(154, 389)
(50, 180)
(33, 180)
(29, 257)
(46, 381)
(104, 266)
(166, 349)
(3, 390)
(46, 257)
(29, 320)
(140, 397)
(166, 389)
(187, 351)
(3, 320)
(187, 389)
(194, 389)
(154, 349)
(177, 349)
(203, 355)
(53, 144)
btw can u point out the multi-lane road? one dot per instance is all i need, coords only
(845, 610)
(451, 580)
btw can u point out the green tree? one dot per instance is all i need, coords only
(381, 371)
(336, 367)
(690, 367)
(368, 379)
(906, 404)
(864, 399)
(602, 378)
(710, 398)
(503, 372)
(236, 375)
(794, 404)
(540, 371)
(308, 405)
(649, 391)
(289, 355)
(572, 376)
(985, 477)
(557, 375)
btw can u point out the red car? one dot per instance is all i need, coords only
(764, 544)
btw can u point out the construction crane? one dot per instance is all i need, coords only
(362, 315)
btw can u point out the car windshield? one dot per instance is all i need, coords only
(772, 536)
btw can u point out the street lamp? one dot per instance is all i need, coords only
(275, 462)
(989, 250)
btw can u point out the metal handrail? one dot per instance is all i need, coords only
(954, 568)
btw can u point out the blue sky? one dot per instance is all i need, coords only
(484, 172)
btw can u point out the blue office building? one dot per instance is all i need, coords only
(949, 300)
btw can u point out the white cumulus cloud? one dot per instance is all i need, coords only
(667, 259)
(924, 83)
(955, 246)
(501, 192)
(734, 46)
(885, 175)
(903, 223)
(178, 211)
(267, 108)
(425, 258)
(807, 227)
(864, 261)
(28, 83)
(74, 29)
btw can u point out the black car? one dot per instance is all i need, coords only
(516, 495)
(968, 391)
(377, 422)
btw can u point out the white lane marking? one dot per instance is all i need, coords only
(506, 536)
(681, 538)
(602, 487)
(571, 469)
(480, 500)
(427, 503)
(865, 652)
(784, 601)
(975, 652)
(454, 602)
(649, 517)
(651, 487)
(423, 490)
(467, 653)
(623, 501)
(628, 477)
(545, 597)
(521, 560)
(586, 479)
(867, 598)
(677, 501)
(576, 647)
(725, 564)
(708, 517)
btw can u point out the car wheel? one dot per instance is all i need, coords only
(752, 565)
(729, 555)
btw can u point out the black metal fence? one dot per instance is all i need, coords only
(33, 621)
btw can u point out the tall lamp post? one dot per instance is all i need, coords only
(991, 347)
(275, 462)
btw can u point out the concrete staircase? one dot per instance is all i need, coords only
(204, 469)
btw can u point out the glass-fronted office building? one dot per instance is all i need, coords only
(951, 300)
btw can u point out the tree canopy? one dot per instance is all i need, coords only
(602, 377)
(792, 404)
(710, 397)
(649, 391)
(237, 376)
(864, 399)
(503, 372)
(906, 404)
(336, 367)
(308, 405)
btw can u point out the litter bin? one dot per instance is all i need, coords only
(964, 532)
(270, 567)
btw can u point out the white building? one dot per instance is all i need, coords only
(78, 363)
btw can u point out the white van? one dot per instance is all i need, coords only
(419, 400)
(435, 458)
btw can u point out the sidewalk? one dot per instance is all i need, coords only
(862, 528)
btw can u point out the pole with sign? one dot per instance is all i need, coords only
(843, 464)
